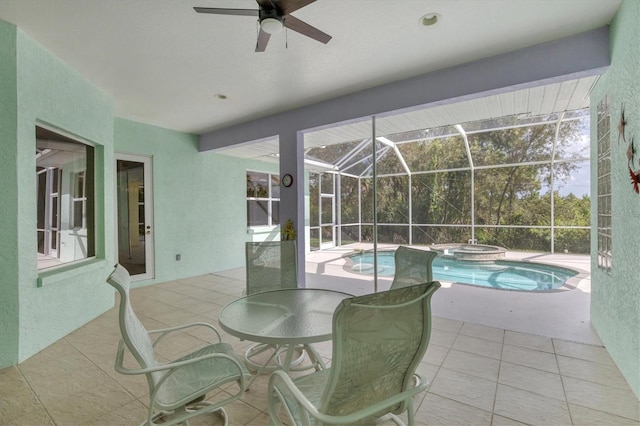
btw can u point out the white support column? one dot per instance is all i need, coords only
(552, 184)
(410, 198)
(374, 162)
(473, 181)
(292, 198)
(337, 195)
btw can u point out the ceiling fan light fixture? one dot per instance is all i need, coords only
(271, 25)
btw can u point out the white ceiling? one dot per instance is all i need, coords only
(163, 63)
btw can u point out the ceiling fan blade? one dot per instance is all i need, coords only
(222, 11)
(266, 4)
(303, 28)
(290, 6)
(263, 39)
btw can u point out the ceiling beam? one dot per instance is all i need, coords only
(577, 56)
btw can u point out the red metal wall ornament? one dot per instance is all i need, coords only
(635, 180)
(631, 153)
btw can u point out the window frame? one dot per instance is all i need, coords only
(604, 222)
(63, 159)
(79, 198)
(271, 199)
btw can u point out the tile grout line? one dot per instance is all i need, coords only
(34, 393)
(564, 390)
(428, 390)
(495, 394)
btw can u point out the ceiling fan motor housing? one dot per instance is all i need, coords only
(269, 13)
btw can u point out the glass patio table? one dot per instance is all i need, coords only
(284, 318)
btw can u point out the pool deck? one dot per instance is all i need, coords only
(562, 315)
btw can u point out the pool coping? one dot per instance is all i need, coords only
(570, 284)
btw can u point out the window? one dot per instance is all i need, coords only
(79, 201)
(604, 186)
(65, 218)
(263, 199)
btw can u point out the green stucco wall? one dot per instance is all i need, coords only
(199, 201)
(47, 91)
(615, 298)
(8, 194)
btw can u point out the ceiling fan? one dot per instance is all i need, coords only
(273, 15)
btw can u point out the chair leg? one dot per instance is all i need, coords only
(410, 410)
(387, 418)
(260, 370)
(277, 421)
(162, 416)
(274, 407)
(183, 414)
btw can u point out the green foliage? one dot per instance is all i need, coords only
(349, 200)
(511, 180)
(288, 231)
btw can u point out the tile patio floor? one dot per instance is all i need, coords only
(490, 369)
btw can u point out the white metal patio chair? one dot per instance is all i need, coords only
(413, 266)
(270, 265)
(378, 341)
(177, 389)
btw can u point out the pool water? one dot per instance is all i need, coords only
(502, 274)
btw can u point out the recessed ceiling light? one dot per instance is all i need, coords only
(429, 19)
(221, 96)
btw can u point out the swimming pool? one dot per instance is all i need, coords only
(500, 274)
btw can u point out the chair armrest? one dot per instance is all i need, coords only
(349, 418)
(172, 365)
(165, 331)
(175, 366)
(281, 376)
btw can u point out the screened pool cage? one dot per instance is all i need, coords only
(520, 182)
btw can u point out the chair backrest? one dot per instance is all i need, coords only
(271, 265)
(134, 334)
(413, 266)
(378, 341)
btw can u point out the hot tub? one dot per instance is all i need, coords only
(470, 252)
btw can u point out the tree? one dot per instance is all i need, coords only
(512, 176)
